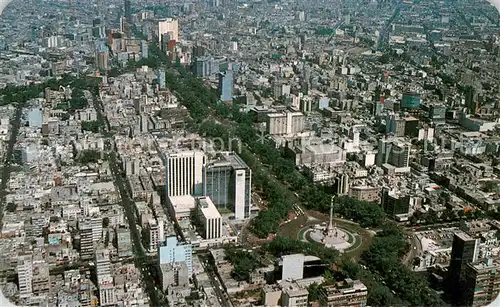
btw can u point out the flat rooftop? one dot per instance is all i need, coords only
(182, 204)
(228, 159)
(208, 208)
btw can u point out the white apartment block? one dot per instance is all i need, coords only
(25, 275)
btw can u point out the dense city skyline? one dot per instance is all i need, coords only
(249, 153)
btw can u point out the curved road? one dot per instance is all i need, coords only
(415, 250)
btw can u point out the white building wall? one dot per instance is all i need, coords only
(168, 25)
(293, 267)
(25, 275)
(185, 173)
(239, 194)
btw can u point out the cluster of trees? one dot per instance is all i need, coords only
(367, 214)
(389, 280)
(448, 215)
(11, 207)
(88, 156)
(92, 125)
(15, 94)
(78, 100)
(244, 263)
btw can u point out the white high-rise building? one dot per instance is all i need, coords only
(132, 165)
(25, 275)
(96, 223)
(105, 282)
(168, 26)
(209, 217)
(184, 173)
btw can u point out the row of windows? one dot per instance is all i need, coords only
(180, 176)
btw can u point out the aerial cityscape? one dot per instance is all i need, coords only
(249, 153)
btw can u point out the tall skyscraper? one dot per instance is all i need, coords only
(102, 56)
(105, 282)
(144, 49)
(168, 26)
(465, 250)
(227, 180)
(128, 11)
(25, 275)
(160, 78)
(184, 173)
(172, 251)
(226, 86)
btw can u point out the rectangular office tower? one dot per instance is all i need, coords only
(170, 27)
(209, 218)
(184, 171)
(128, 11)
(465, 250)
(161, 79)
(227, 180)
(226, 86)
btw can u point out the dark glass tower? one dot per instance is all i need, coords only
(464, 250)
(128, 11)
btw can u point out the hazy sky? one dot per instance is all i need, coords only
(3, 4)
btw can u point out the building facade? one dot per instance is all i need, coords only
(482, 283)
(168, 26)
(173, 251)
(226, 86)
(227, 180)
(184, 171)
(209, 218)
(465, 250)
(348, 293)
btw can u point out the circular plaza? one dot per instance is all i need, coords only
(331, 236)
